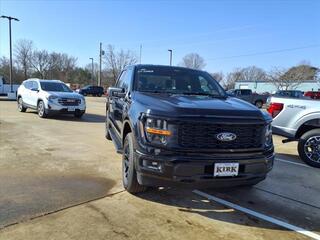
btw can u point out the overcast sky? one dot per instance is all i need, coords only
(227, 34)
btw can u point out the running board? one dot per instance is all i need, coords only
(115, 140)
(288, 140)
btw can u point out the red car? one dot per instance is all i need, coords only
(312, 94)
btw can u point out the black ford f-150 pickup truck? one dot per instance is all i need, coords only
(177, 126)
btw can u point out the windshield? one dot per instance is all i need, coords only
(176, 81)
(54, 87)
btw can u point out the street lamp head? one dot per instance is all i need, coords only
(10, 18)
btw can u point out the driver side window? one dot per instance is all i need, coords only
(34, 85)
(119, 84)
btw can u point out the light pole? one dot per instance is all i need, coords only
(92, 78)
(10, 43)
(100, 63)
(170, 50)
(140, 53)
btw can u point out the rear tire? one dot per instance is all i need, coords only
(129, 174)
(258, 104)
(309, 148)
(41, 110)
(99, 95)
(21, 108)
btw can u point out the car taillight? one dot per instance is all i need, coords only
(275, 108)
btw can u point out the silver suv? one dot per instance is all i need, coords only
(49, 97)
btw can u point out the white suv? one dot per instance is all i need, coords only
(49, 97)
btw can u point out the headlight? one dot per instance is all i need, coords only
(51, 97)
(156, 130)
(268, 135)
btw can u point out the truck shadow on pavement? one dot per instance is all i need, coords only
(188, 202)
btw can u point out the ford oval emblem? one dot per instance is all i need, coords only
(226, 136)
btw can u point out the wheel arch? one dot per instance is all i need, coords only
(127, 128)
(307, 126)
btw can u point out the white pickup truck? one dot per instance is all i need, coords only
(298, 120)
(6, 88)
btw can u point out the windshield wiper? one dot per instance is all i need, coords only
(155, 91)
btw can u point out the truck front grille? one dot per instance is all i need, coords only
(69, 101)
(203, 136)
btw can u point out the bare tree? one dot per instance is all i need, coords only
(232, 78)
(4, 67)
(253, 74)
(5, 70)
(23, 54)
(218, 76)
(193, 60)
(117, 61)
(41, 62)
(88, 67)
(291, 78)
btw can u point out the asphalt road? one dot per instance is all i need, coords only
(60, 179)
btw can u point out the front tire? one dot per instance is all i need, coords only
(309, 148)
(41, 110)
(78, 114)
(129, 174)
(21, 108)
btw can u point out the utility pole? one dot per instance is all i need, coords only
(101, 53)
(10, 43)
(170, 50)
(92, 78)
(140, 52)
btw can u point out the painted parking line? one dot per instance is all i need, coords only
(258, 215)
(295, 163)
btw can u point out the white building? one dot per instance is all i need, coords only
(265, 86)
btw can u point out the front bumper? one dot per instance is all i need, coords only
(53, 108)
(197, 171)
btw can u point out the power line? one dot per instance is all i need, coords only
(266, 52)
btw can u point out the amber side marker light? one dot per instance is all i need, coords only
(158, 131)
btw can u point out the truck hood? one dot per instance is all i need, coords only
(183, 105)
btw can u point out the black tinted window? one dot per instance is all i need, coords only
(245, 92)
(176, 81)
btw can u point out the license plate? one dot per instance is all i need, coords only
(71, 109)
(226, 169)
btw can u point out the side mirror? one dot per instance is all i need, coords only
(35, 89)
(116, 92)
